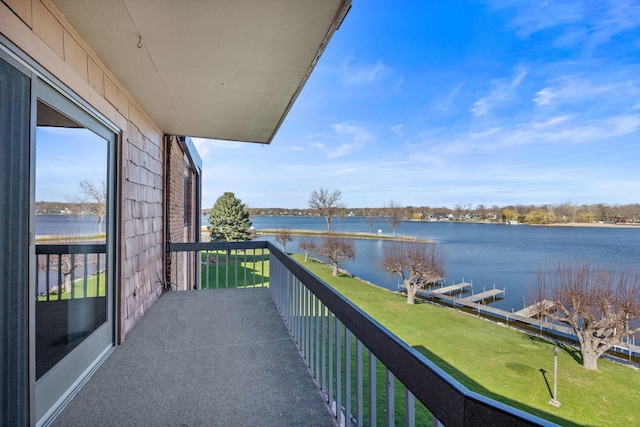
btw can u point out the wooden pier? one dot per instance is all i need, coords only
(482, 296)
(451, 288)
(536, 309)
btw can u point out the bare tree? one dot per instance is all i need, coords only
(482, 211)
(417, 263)
(394, 212)
(96, 199)
(327, 203)
(371, 220)
(337, 249)
(459, 207)
(283, 236)
(308, 245)
(598, 302)
(66, 264)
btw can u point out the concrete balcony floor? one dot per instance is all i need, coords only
(203, 358)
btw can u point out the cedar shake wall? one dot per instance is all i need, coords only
(43, 33)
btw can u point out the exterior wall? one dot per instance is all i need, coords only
(42, 32)
(179, 269)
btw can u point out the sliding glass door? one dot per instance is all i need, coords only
(73, 226)
(57, 242)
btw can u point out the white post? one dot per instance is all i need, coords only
(554, 401)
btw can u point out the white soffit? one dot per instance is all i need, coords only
(210, 68)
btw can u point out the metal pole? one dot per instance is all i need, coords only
(554, 401)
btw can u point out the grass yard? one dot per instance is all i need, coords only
(237, 269)
(94, 287)
(498, 362)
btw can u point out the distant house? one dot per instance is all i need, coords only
(131, 79)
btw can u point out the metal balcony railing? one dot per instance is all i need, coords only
(367, 375)
(70, 271)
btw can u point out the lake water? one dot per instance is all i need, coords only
(67, 225)
(484, 254)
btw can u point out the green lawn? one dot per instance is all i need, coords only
(94, 287)
(239, 268)
(499, 362)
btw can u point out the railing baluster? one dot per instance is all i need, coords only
(409, 409)
(373, 399)
(317, 316)
(308, 325)
(298, 311)
(330, 328)
(60, 282)
(390, 395)
(217, 269)
(305, 324)
(236, 284)
(85, 277)
(323, 349)
(98, 277)
(48, 280)
(359, 384)
(72, 261)
(245, 267)
(339, 371)
(347, 376)
(207, 263)
(177, 264)
(227, 259)
(253, 275)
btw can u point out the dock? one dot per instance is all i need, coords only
(536, 309)
(451, 288)
(491, 293)
(529, 315)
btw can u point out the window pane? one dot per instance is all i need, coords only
(70, 226)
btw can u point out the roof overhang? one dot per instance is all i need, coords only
(210, 68)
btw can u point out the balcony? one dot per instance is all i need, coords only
(225, 356)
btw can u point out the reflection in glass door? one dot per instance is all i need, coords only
(73, 247)
(71, 199)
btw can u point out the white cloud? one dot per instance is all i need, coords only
(570, 88)
(363, 74)
(565, 129)
(206, 146)
(587, 22)
(502, 91)
(397, 129)
(342, 140)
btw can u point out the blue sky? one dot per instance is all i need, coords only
(64, 157)
(436, 103)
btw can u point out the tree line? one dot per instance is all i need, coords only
(535, 214)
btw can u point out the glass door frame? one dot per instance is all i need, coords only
(55, 387)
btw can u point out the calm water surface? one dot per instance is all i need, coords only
(484, 254)
(67, 225)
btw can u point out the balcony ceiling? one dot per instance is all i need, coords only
(210, 68)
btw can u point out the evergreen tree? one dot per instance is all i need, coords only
(229, 219)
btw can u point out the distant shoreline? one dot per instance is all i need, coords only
(346, 234)
(586, 224)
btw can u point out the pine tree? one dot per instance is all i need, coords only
(229, 219)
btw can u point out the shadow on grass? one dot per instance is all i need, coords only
(479, 388)
(571, 351)
(544, 375)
